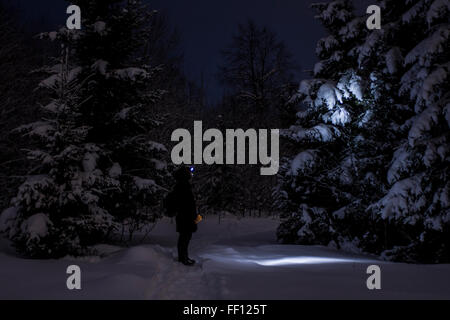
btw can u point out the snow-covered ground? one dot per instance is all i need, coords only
(237, 259)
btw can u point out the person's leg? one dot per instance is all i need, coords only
(183, 243)
(180, 245)
(188, 239)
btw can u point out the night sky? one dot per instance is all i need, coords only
(206, 27)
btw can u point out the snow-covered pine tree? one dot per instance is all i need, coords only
(318, 180)
(417, 202)
(97, 166)
(383, 186)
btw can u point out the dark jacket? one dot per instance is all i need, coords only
(185, 207)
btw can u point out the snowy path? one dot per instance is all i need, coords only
(237, 260)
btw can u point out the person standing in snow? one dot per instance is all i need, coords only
(186, 213)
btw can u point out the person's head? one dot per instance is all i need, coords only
(183, 174)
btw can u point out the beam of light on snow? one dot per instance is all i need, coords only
(279, 260)
(301, 260)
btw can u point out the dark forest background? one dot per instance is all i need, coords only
(86, 120)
